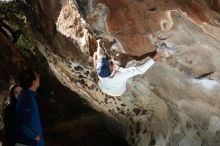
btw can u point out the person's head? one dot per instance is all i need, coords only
(29, 79)
(103, 69)
(15, 91)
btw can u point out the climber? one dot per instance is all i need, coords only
(112, 79)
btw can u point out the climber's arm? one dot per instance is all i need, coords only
(94, 59)
(126, 73)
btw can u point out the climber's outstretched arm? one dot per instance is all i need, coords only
(95, 59)
(126, 73)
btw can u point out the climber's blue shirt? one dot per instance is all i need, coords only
(28, 124)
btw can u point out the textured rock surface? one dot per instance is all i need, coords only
(177, 101)
(10, 62)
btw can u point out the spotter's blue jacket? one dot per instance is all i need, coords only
(28, 124)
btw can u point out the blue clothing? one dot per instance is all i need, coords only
(102, 67)
(28, 124)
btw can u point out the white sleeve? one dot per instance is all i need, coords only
(144, 67)
(126, 73)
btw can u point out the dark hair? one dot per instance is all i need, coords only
(26, 78)
(12, 94)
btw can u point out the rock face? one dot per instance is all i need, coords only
(10, 63)
(177, 101)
